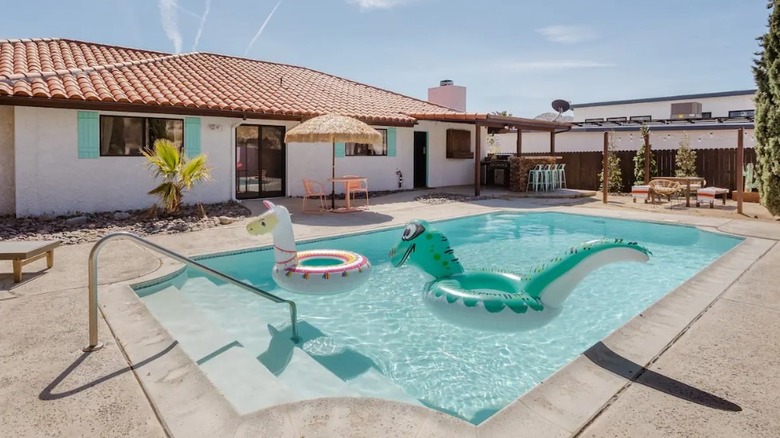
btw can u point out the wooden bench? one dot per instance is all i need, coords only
(708, 194)
(22, 253)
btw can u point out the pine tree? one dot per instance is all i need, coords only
(686, 158)
(639, 158)
(615, 178)
(767, 74)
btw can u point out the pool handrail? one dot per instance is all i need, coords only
(124, 235)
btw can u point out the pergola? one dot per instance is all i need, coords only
(739, 122)
(497, 123)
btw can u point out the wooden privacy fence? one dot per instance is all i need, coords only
(717, 166)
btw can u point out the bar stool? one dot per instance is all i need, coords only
(562, 175)
(548, 177)
(535, 178)
(554, 181)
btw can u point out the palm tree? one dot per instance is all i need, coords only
(179, 174)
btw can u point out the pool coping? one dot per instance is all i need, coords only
(562, 405)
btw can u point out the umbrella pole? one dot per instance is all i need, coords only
(332, 177)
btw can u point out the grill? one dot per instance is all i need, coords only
(495, 172)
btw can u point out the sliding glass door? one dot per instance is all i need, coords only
(260, 161)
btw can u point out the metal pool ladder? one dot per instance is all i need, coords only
(123, 235)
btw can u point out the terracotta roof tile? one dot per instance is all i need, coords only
(56, 68)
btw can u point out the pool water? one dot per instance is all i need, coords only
(466, 373)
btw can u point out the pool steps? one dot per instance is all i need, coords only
(236, 366)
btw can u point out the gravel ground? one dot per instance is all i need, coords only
(92, 226)
(444, 198)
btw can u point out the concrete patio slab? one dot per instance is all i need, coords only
(718, 380)
(53, 305)
(49, 388)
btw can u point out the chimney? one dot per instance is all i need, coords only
(448, 94)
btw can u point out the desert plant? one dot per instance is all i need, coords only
(685, 158)
(767, 73)
(615, 183)
(639, 158)
(504, 113)
(178, 173)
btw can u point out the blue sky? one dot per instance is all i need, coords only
(515, 55)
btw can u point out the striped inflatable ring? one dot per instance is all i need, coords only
(324, 272)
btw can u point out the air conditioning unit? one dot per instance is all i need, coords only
(686, 110)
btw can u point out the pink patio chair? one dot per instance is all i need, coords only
(313, 189)
(357, 186)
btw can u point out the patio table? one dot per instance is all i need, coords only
(687, 180)
(346, 180)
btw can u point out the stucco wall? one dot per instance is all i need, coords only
(443, 171)
(7, 175)
(580, 141)
(50, 178)
(718, 106)
(313, 161)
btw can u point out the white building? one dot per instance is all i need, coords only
(74, 117)
(710, 121)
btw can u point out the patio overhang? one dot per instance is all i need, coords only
(497, 123)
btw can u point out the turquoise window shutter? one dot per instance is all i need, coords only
(391, 142)
(89, 134)
(192, 136)
(340, 149)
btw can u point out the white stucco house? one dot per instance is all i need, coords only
(74, 117)
(710, 121)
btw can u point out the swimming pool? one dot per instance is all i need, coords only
(381, 341)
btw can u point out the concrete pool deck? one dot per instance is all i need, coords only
(722, 350)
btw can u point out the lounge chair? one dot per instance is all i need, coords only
(313, 189)
(707, 195)
(22, 253)
(664, 188)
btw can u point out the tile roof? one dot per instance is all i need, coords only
(66, 70)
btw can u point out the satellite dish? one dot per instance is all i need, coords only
(561, 106)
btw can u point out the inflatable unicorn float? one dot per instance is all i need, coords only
(315, 272)
(502, 301)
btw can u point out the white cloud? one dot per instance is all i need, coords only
(558, 64)
(377, 4)
(170, 22)
(202, 24)
(567, 34)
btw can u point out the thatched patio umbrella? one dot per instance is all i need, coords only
(332, 128)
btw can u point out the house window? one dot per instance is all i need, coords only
(742, 113)
(355, 149)
(459, 144)
(127, 136)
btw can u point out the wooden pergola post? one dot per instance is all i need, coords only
(647, 158)
(552, 142)
(606, 168)
(519, 141)
(477, 163)
(740, 163)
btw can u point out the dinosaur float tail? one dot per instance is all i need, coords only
(554, 281)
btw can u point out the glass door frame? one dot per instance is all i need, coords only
(260, 193)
